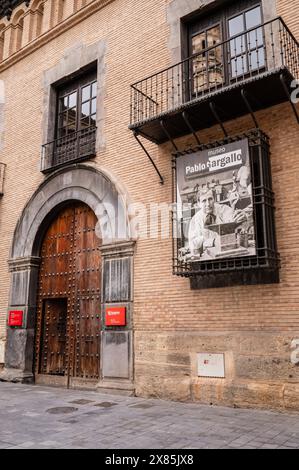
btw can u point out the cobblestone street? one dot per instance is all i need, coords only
(35, 417)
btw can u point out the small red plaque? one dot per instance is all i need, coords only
(116, 316)
(15, 318)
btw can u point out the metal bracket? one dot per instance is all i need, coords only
(282, 79)
(186, 119)
(162, 124)
(216, 116)
(245, 97)
(149, 157)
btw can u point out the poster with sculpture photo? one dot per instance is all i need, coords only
(215, 206)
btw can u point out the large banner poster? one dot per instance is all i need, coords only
(215, 207)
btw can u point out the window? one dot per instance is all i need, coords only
(207, 66)
(77, 107)
(246, 51)
(226, 45)
(75, 124)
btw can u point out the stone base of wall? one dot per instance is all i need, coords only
(237, 394)
(16, 376)
(258, 369)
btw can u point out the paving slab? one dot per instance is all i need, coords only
(36, 417)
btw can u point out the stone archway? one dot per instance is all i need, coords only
(81, 183)
(91, 187)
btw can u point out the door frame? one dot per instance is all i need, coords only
(80, 219)
(99, 191)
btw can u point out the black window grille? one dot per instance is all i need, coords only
(263, 267)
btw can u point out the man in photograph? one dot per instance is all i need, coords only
(241, 193)
(210, 213)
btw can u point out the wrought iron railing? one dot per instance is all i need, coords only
(2, 170)
(73, 147)
(265, 48)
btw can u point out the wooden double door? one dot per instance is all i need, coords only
(68, 324)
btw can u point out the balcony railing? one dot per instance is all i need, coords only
(2, 170)
(242, 58)
(75, 147)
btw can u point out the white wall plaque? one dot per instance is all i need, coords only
(211, 365)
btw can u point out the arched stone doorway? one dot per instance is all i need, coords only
(68, 320)
(74, 184)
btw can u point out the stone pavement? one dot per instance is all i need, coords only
(35, 417)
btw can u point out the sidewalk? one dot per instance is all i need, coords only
(34, 417)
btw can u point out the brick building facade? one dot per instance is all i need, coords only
(46, 47)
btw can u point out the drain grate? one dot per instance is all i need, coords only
(106, 404)
(82, 401)
(61, 410)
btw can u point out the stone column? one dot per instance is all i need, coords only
(57, 12)
(69, 8)
(27, 28)
(117, 342)
(20, 341)
(46, 23)
(8, 33)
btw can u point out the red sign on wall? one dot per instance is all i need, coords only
(116, 316)
(15, 318)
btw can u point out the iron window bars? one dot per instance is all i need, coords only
(267, 257)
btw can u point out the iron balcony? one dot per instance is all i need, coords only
(248, 72)
(75, 147)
